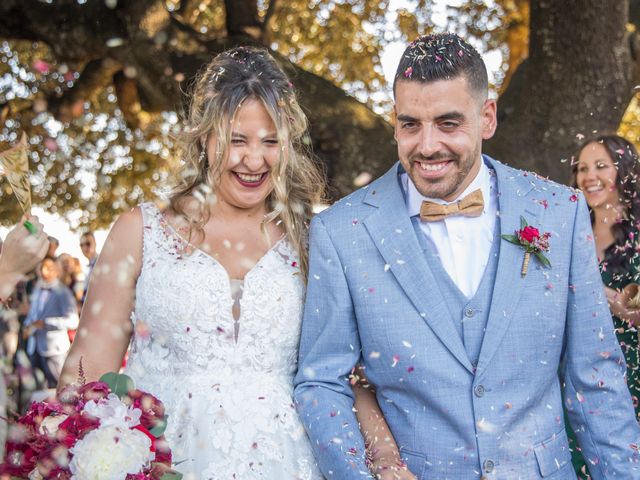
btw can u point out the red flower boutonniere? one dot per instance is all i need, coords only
(532, 242)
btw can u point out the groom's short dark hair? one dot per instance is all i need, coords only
(442, 56)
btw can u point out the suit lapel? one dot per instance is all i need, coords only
(513, 188)
(393, 234)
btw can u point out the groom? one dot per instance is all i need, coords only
(470, 351)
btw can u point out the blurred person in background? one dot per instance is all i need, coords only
(53, 312)
(88, 247)
(53, 246)
(72, 275)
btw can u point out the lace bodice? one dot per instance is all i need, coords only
(183, 310)
(226, 382)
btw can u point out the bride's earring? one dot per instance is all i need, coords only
(203, 156)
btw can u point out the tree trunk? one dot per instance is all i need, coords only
(577, 80)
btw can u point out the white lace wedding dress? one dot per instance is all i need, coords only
(226, 383)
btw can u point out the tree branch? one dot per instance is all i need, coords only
(242, 18)
(96, 76)
(266, 28)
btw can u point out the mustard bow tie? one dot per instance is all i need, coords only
(470, 206)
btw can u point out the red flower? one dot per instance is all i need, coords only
(75, 427)
(529, 233)
(152, 408)
(163, 452)
(20, 459)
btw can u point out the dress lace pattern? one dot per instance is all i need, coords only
(227, 389)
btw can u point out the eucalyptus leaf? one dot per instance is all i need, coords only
(159, 428)
(543, 260)
(511, 238)
(172, 475)
(119, 383)
(523, 223)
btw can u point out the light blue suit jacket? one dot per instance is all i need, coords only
(372, 298)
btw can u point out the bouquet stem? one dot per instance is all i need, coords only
(525, 264)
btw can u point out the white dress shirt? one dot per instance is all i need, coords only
(463, 243)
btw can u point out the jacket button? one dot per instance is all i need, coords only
(478, 390)
(489, 465)
(468, 312)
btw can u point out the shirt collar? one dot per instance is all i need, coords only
(414, 198)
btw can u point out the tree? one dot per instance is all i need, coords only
(109, 69)
(578, 78)
(111, 73)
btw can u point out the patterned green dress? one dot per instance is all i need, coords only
(628, 338)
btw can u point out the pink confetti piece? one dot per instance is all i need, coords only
(41, 66)
(51, 144)
(408, 72)
(396, 359)
(573, 198)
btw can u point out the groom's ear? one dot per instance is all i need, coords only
(394, 122)
(488, 118)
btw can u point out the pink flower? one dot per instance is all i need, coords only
(94, 391)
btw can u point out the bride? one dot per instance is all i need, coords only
(208, 293)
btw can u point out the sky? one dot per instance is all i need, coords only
(59, 228)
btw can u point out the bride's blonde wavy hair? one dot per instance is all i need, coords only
(232, 77)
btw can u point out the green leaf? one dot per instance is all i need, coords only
(543, 260)
(172, 475)
(511, 238)
(160, 426)
(119, 384)
(523, 223)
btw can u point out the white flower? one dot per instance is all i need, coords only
(110, 452)
(49, 425)
(35, 474)
(111, 411)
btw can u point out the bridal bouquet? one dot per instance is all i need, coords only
(103, 430)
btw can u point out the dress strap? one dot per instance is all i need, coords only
(158, 240)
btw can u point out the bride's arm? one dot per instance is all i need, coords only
(105, 326)
(386, 462)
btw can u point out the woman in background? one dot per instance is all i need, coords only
(607, 170)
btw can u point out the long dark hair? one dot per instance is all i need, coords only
(624, 156)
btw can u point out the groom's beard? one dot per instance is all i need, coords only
(442, 187)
